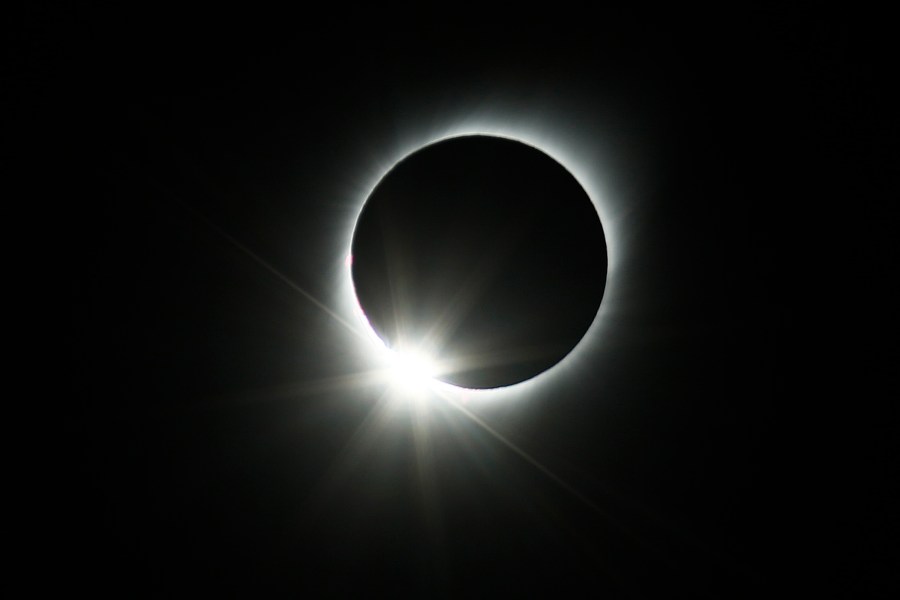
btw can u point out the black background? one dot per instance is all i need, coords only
(735, 436)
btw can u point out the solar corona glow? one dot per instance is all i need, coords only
(424, 352)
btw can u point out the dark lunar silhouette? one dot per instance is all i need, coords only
(486, 253)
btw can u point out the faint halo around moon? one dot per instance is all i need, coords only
(484, 253)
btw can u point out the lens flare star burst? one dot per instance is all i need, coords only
(401, 384)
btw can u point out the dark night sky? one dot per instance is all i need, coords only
(734, 434)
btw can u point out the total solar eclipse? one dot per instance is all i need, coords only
(484, 254)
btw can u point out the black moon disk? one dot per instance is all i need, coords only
(483, 252)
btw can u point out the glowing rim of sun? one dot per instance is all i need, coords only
(416, 372)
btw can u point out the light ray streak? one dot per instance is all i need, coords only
(396, 285)
(467, 296)
(686, 541)
(257, 396)
(261, 261)
(524, 455)
(358, 446)
(425, 469)
(279, 275)
(314, 387)
(492, 359)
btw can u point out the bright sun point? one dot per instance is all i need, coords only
(411, 371)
